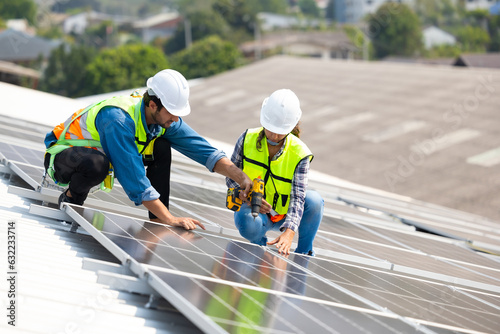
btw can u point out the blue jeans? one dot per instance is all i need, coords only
(255, 230)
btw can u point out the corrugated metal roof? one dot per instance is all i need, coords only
(55, 294)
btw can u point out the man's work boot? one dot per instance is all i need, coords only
(65, 198)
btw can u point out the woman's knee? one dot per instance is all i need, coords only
(249, 228)
(314, 201)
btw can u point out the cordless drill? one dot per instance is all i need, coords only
(233, 201)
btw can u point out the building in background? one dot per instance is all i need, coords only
(488, 60)
(309, 44)
(479, 4)
(352, 11)
(161, 25)
(79, 22)
(433, 36)
(21, 48)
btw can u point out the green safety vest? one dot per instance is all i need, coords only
(277, 174)
(80, 128)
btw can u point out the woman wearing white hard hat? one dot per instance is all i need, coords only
(275, 154)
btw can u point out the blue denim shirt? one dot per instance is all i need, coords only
(117, 132)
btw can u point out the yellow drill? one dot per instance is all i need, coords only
(233, 201)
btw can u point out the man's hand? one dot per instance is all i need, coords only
(246, 185)
(186, 222)
(165, 217)
(284, 241)
(225, 167)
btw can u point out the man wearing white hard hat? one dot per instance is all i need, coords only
(126, 133)
(275, 154)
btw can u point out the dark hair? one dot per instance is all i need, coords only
(147, 98)
(295, 131)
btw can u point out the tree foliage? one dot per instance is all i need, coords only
(206, 57)
(124, 67)
(308, 8)
(395, 30)
(231, 20)
(203, 24)
(238, 14)
(18, 9)
(473, 39)
(64, 74)
(437, 13)
(99, 35)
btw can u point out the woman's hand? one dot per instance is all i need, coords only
(284, 241)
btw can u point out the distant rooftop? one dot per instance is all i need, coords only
(491, 60)
(17, 46)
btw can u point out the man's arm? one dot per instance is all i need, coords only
(225, 167)
(187, 141)
(117, 133)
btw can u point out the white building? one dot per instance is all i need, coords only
(433, 36)
(79, 22)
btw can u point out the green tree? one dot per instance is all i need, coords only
(494, 30)
(480, 19)
(395, 29)
(100, 35)
(443, 51)
(438, 13)
(358, 39)
(51, 32)
(308, 8)
(124, 67)
(64, 74)
(270, 6)
(18, 9)
(473, 39)
(238, 13)
(206, 57)
(203, 23)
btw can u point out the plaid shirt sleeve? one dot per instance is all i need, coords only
(297, 197)
(237, 159)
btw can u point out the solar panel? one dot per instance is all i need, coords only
(196, 264)
(373, 271)
(481, 232)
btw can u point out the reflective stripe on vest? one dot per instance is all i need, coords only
(84, 127)
(278, 174)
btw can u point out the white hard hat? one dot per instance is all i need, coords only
(280, 112)
(173, 91)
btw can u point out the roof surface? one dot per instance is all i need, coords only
(385, 262)
(18, 46)
(425, 131)
(489, 60)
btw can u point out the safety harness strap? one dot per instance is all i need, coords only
(63, 144)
